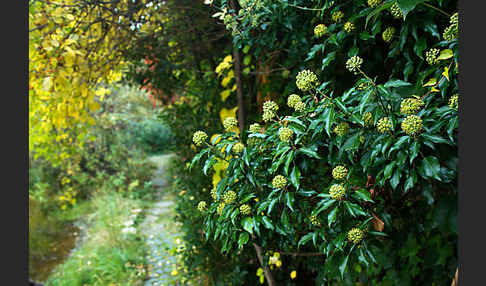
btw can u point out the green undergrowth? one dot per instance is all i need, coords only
(111, 252)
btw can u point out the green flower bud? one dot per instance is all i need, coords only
(411, 106)
(270, 106)
(450, 33)
(367, 119)
(293, 99)
(384, 125)
(314, 220)
(285, 134)
(214, 194)
(339, 172)
(412, 125)
(349, 27)
(337, 16)
(253, 141)
(299, 106)
(279, 182)
(364, 85)
(305, 80)
(341, 129)
(201, 206)
(238, 148)
(396, 11)
(455, 19)
(199, 137)
(388, 34)
(220, 208)
(337, 192)
(453, 102)
(355, 235)
(229, 123)
(229, 197)
(374, 3)
(431, 56)
(255, 128)
(354, 64)
(245, 209)
(268, 115)
(320, 30)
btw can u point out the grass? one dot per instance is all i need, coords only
(106, 255)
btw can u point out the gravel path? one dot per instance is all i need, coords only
(161, 231)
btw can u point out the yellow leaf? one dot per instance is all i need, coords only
(224, 94)
(431, 82)
(446, 73)
(293, 274)
(433, 89)
(445, 54)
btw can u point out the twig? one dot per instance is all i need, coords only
(266, 271)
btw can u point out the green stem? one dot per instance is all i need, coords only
(437, 9)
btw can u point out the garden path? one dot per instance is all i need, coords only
(161, 230)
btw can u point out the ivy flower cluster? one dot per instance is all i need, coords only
(450, 33)
(339, 172)
(354, 64)
(279, 182)
(238, 147)
(199, 137)
(412, 125)
(245, 209)
(388, 34)
(367, 119)
(453, 102)
(384, 125)
(220, 208)
(255, 128)
(214, 194)
(320, 30)
(314, 220)
(431, 56)
(341, 129)
(355, 235)
(411, 106)
(349, 27)
(306, 80)
(229, 197)
(337, 16)
(374, 3)
(202, 206)
(295, 102)
(337, 192)
(396, 11)
(229, 123)
(269, 110)
(285, 134)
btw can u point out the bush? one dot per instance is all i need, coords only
(387, 217)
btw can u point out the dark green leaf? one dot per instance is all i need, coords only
(247, 224)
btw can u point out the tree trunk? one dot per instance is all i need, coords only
(239, 89)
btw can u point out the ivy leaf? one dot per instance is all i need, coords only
(243, 239)
(342, 266)
(362, 195)
(309, 152)
(295, 177)
(431, 82)
(331, 217)
(377, 11)
(396, 83)
(305, 239)
(247, 224)
(351, 143)
(431, 167)
(267, 223)
(289, 200)
(407, 5)
(445, 54)
(328, 59)
(209, 163)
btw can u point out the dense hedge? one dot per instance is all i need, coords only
(367, 89)
(362, 174)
